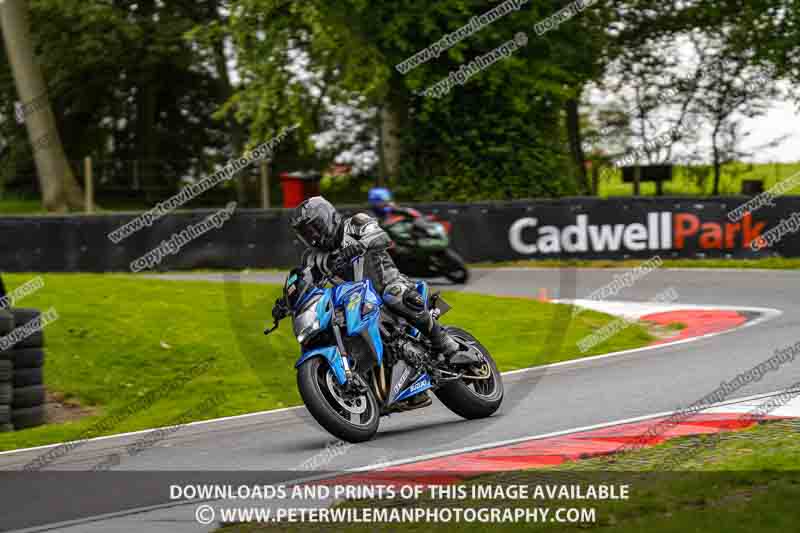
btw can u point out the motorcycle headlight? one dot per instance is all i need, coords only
(306, 322)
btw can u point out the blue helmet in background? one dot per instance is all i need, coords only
(380, 200)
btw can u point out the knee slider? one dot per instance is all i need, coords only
(413, 301)
(393, 294)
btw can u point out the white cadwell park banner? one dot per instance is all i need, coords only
(656, 231)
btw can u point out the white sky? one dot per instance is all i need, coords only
(782, 118)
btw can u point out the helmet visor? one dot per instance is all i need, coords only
(311, 232)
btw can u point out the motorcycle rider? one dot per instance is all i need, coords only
(382, 204)
(333, 242)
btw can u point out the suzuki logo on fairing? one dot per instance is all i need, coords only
(418, 385)
(401, 381)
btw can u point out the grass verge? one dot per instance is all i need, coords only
(733, 482)
(699, 181)
(20, 206)
(123, 339)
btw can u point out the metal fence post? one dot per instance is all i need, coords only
(264, 185)
(88, 184)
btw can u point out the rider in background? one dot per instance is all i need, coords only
(382, 204)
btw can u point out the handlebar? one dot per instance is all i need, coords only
(319, 284)
(276, 321)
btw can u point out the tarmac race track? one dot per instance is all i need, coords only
(537, 402)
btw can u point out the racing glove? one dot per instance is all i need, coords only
(279, 310)
(343, 257)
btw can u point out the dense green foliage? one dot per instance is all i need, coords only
(160, 92)
(125, 86)
(500, 135)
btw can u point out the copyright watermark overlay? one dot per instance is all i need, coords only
(26, 289)
(262, 151)
(622, 280)
(179, 240)
(477, 65)
(765, 198)
(311, 503)
(616, 326)
(205, 514)
(476, 24)
(557, 19)
(23, 332)
(787, 226)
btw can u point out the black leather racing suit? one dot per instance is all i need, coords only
(399, 293)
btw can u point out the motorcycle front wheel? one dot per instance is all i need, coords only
(351, 418)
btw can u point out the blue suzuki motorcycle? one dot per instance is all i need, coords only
(359, 361)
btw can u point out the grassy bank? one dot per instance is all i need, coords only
(20, 206)
(122, 338)
(735, 482)
(699, 181)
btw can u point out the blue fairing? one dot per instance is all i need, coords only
(420, 384)
(361, 306)
(422, 288)
(332, 355)
(352, 311)
(325, 309)
(307, 296)
(362, 313)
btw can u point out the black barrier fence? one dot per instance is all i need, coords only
(585, 228)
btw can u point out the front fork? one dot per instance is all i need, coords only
(337, 333)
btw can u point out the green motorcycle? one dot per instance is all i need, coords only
(422, 248)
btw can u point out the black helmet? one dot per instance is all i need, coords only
(316, 222)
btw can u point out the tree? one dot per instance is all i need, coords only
(215, 55)
(674, 96)
(128, 87)
(654, 94)
(58, 187)
(767, 30)
(582, 49)
(729, 87)
(499, 135)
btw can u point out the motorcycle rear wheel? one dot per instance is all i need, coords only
(350, 419)
(473, 399)
(453, 267)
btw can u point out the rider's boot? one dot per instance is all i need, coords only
(443, 344)
(442, 341)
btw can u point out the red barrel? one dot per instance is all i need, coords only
(297, 186)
